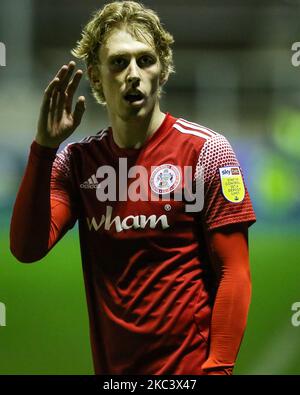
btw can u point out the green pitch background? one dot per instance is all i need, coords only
(46, 328)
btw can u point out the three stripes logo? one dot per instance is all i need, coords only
(91, 183)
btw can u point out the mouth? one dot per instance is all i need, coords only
(134, 97)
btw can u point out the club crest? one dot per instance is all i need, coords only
(164, 179)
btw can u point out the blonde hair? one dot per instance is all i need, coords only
(143, 23)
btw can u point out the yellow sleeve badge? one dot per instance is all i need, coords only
(232, 184)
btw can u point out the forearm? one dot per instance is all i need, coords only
(228, 248)
(229, 319)
(31, 219)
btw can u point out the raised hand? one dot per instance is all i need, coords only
(57, 121)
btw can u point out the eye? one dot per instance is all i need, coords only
(146, 61)
(118, 63)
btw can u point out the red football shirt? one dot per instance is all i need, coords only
(146, 266)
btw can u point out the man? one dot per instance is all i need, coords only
(168, 286)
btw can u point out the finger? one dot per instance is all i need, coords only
(71, 88)
(50, 89)
(61, 101)
(53, 104)
(66, 78)
(57, 79)
(47, 98)
(60, 105)
(48, 93)
(79, 110)
(61, 72)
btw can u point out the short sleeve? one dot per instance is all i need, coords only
(61, 179)
(218, 210)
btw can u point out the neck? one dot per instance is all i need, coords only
(133, 131)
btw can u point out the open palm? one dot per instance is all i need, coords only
(57, 121)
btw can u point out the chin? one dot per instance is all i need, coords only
(138, 112)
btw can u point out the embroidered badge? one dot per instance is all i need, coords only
(232, 184)
(164, 179)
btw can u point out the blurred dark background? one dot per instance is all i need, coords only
(234, 74)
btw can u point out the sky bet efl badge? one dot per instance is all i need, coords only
(164, 179)
(232, 184)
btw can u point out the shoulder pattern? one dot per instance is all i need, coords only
(216, 153)
(187, 127)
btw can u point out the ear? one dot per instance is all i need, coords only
(94, 76)
(163, 79)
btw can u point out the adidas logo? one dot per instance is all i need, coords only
(91, 183)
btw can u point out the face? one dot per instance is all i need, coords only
(129, 72)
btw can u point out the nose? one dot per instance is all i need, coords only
(133, 76)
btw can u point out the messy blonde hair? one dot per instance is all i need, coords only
(143, 23)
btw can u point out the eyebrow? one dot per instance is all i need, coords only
(139, 53)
